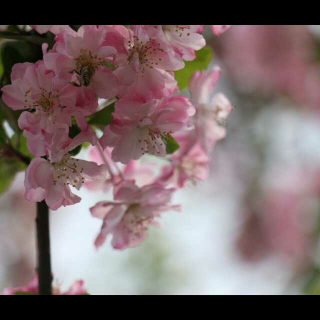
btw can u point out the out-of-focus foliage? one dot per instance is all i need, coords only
(19, 142)
(17, 51)
(8, 169)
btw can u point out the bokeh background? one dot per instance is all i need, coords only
(252, 228)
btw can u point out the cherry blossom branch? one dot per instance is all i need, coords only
(43, 246)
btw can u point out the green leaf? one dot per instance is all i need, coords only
(18, 51)
(73, 131)
(3, 136)
(8, 169)
(109, 65)
(86, 145)
(171, 144)
(201, 62)
(13, 28)
(11, 116)
(102, 117)
(75, 151)
(76, 27)
(19, 142)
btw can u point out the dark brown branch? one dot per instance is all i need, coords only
(43, 245)
(19, 155)
(25, 37)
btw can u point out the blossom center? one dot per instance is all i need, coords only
(147, 52)
(87, 60)
(68, 172)
(45, 101)
(135, 223)
(178, 30)
(151, 139)
(86, 66)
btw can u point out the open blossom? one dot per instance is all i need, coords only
(144, 68)
(211, 113)
(49, 105)
(142, 127)
(189, 163)
(184, 39)
(35, 89)
(50, 181)
(127, 219)
(32, 288)
(80, 58)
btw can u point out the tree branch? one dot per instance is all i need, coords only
(43, 244)
(25, 37)
(19, 155)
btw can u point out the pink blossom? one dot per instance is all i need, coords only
(61, 143)
(141, 127)
(143, 70)
(34, 88)
(39, 141)
(50, 181)
(128, 218)
(80, 58)
(184, 39)
(189, 163)
(212, 112)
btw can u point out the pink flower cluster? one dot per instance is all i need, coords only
(133, 66)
